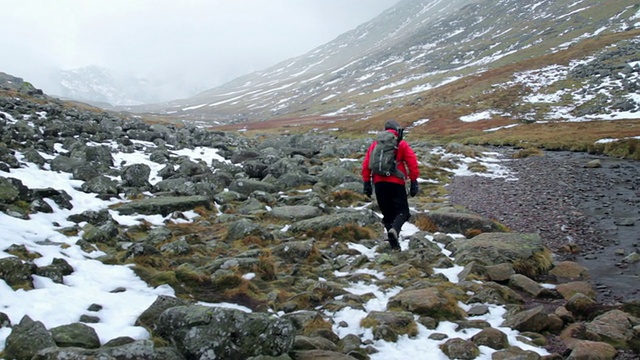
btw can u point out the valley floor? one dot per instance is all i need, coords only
(588, 215)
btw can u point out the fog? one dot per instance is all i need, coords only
(190, 44)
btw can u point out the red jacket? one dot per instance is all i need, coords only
(406, 159)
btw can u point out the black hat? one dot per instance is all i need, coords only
(391, 124)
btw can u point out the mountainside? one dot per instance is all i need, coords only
(409, 52)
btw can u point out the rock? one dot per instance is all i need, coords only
(521, 282)
(75, 335)
(499, 272)
(4, 320)
(584, 349)
(247, 186)
(567, 290)
(313, 343)
(580, 304)
(163, 205)
(494, 293)
(457, 221)
(306, 321)
(294, 251)
(136, 176)
(322, 223)
(226, 333)
(100, 185)
(431, 302)
(58, 269)
(295, 212)
(139, 349)
(525, 251)
(9, 192)
(335, 175)
(515, 353)
(569, 271)
(17, 273)
(534, 320)
(243, 228)
(103, 234)
(149, 318)
(397, 322)
(593, 164)
(492, 338)
(460, 349)
(632, 258)
(615, 327)
(26, 339)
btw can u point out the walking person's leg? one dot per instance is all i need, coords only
(392, 199)
(385, 202)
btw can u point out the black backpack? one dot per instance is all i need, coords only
(382, 160)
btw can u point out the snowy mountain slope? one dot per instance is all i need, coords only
(408, 50)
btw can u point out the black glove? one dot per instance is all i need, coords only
(368, 190)
(413, 189)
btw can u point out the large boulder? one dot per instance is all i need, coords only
(525, 251)
(325, 222)
(205, 332)
(460, 221)
(163, 205)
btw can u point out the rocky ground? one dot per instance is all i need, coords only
(588, 215)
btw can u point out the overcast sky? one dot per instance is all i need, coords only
(200, 43)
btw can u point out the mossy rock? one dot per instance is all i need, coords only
(525, 251)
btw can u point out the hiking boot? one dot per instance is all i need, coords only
(393, 239)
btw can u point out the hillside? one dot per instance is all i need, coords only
(440, 60)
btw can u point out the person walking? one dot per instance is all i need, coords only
(390, 180)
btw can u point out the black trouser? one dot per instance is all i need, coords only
(392, 200)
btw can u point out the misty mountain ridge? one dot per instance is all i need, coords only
(106, 88)
(417, 46)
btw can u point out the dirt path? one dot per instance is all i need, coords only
(595, 209)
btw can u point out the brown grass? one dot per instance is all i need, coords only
(423, 223)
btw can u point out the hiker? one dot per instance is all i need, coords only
(390, 179)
